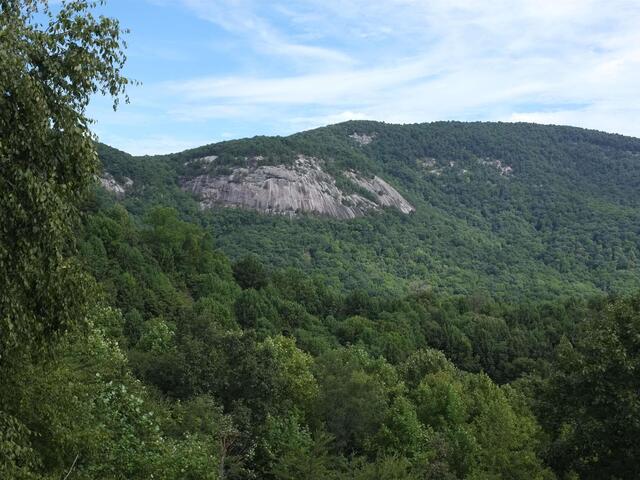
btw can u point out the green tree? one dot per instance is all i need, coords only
(355, 396)
(51, 66)
(384, 468)
(291, 452)
(253, 308)
(249, 272)
(82, 402)
(591, 402)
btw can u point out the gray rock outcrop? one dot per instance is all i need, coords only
(111, 184)
(293, 189)
(363, 138)
(386, 195)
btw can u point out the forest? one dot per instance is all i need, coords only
(142, 337)
(193, 366)
(560, 219)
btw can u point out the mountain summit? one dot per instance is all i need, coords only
(495, 206)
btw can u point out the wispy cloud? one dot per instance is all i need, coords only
(240, 17)
(465, 56)
(336, 87)
(313, 62)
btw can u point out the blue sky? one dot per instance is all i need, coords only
(218, 69)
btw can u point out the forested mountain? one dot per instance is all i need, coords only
(264, 373)
(358, 302)
(510, 210)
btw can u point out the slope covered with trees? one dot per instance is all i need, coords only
(236, 370)
(133, 347)
(512, 210)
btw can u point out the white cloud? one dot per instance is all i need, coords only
(468, 59)
(239, 17)
(334, 87)
(313, 62)
(617, 118)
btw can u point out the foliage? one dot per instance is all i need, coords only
(47, 158)
(297, 379)
(250, 273)
(590, 403)
(312, 358)
(559, 223)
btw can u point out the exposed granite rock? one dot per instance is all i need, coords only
(430, 165)
(111, 184)
(202, 160)
(503, 168)
(292, 189)
(427, 162)
(386, 195)
(363, 138)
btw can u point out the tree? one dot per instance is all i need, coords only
(49, 71)
(591, 402)
(384, 468)
(291, 452)
(355, 396)
(252, 306)
(51, 65)
(250, 273)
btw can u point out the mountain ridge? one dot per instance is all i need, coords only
(501, 207)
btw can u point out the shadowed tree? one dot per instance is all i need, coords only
(250, 273)
(591, 402)
(51, 66)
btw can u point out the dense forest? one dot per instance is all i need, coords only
(507, 210)
(494, 333)
(191, 366)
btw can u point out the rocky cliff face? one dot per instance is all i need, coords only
(293, 189)
(386, 195)
(110, 184)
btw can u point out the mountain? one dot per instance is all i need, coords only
(503, 209)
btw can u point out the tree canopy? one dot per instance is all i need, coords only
(133, 347)
(52, 63)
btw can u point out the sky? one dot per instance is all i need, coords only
(213, 70)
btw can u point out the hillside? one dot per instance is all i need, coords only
(362, 301)
(514, 210)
